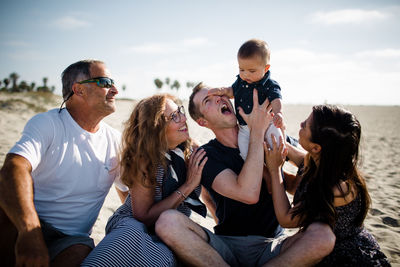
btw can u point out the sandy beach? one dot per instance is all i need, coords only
(380, 156)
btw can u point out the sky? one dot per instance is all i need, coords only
(337, 52)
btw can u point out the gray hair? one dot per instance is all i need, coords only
(76, 72)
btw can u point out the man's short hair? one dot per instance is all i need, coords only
(76, 72)
(255, 47)
(194, 110)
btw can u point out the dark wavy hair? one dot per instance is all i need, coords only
(338, 132)
(144, 141)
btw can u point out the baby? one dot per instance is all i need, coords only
(253, 58)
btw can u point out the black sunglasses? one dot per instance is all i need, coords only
(176, 116)
(103, 82)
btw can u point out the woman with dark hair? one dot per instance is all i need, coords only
(154, 159)
(330, 189)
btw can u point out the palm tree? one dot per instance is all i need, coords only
(6, 82)
(45, 79)
(23, 87)
(189, 85)
(14, 77)
(32, 88)
(176, 85)
(159, 84)
(43, 88)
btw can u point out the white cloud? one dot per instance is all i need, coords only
(151, 48)
(347, 16)
(305, 76)
(196, 42)
(70, 23)
(311, 77)
(170, 47)
(384, 53)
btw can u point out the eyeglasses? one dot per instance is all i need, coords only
(103, 82)
(176, 116)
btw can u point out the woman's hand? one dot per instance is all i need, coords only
(195, 167)
(276, 156)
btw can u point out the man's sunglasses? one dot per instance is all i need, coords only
(176, 116)
(103, 82)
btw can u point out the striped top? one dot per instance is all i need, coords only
(125, 210)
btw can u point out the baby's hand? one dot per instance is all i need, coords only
(278, 120)
(219, 91)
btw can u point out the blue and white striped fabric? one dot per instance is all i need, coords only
(129, 242)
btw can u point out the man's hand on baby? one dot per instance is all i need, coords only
(260, 116)
(278, 120)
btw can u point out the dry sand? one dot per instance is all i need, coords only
(380, 158)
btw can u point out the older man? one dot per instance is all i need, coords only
(247, 233)
(55, 178)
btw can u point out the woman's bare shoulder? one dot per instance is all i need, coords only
(344, 195)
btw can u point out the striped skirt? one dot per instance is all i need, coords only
(128, 243)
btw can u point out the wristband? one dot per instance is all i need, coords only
(181, 194)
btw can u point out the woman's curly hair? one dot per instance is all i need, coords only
(144, 142)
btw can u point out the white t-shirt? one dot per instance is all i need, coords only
(72, 169)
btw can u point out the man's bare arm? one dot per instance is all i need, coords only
(246, 186)
(16, 200)
(210, 204)
(295, 154)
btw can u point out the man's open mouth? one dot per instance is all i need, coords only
(225, 109)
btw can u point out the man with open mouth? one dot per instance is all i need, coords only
(247, 232)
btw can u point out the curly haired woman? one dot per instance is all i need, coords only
(156, 166)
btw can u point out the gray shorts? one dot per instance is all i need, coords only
(57, 241)
(252, 250)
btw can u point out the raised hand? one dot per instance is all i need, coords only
(275, 156)
(260, 117)
(195, 167)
